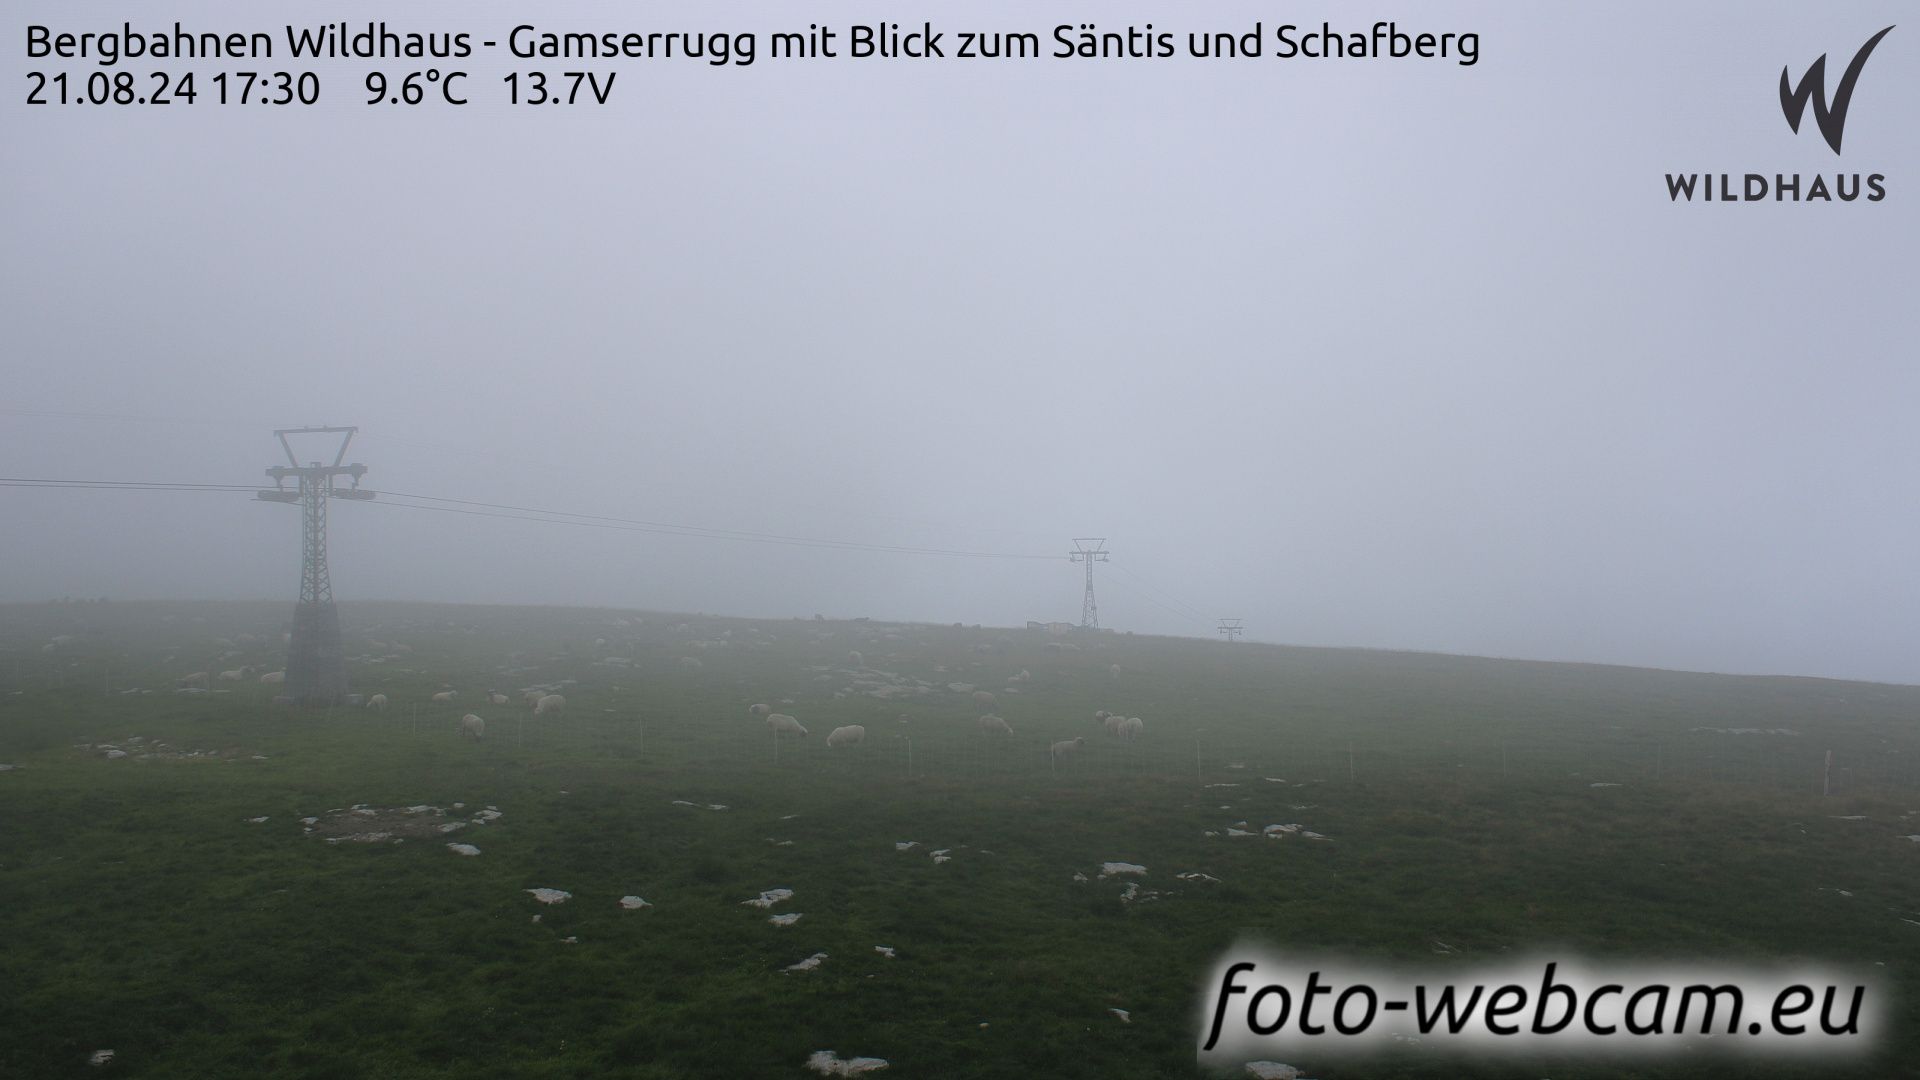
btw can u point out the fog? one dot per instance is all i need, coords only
(1390, 354)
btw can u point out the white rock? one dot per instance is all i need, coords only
(769, 898)
(550, 896)
(633, 903)
(808, 964)
(785, 920)
(463, 849)
(828, 1063)
(1112, 868)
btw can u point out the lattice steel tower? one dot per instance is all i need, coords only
(316, 664)
(1232, 629)
(1089, 550)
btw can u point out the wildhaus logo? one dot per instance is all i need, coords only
(1829, 115)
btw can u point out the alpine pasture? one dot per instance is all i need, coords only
(207, 884)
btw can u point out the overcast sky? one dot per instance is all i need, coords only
(1377, 353)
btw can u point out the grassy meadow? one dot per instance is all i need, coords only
(142, 911)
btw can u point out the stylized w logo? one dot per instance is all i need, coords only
(1793, 101)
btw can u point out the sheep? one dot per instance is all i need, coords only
(1064, 747)
(473, 727)
(235, 675)
(550, 703)
(1113, 671)
(198, 678)
(991, 723)
(377, 701)
(496, 698)
(761, 711)
(1116, 726)
(850, 735)
(985, 697)
(856, 659)
(271, 677)
(532, 697)
(781, 723)
(1101, 716)
(445, 697)
(1134, 727)
(690, 663)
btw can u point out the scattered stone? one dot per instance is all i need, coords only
(100, 1057)
(769, 898)
(785, 920)
(884, 950)
(463, 849)
(1125, 1016)
(633, 903)
(256, 821)
(549, 896)
(1112, 868)
(808, 964)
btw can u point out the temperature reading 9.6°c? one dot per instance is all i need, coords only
(569, 88)
(415, 88)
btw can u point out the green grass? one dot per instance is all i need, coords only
(139, 911)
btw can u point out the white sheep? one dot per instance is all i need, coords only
(236, 674)
(1116, 726)
(1101, 716)
(445, 697)
(847, 736)
(1065, 746)
(1134, 727)
(690, 663)
(762, 711)
(991, 723)
(473, 727)
(781, 723)
(856, 659)
(377, 701)
(271, 677)
(549, 703)
(985, 697)
(1113, 671)
(198, 678)
(496, 698)
(532, 697)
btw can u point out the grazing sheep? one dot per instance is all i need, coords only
(985, 697)
(1116, 726)
(762, 711)
(473, 727)
(445, 697)
(782, 723)
(856, 659)
(1113, 671)
(198, 678)
(1101, 716)
(991, 723)
(1066, 746)
(532, 697)
(690, 663)
(1134, 727)
(496, 698)
(236, 674)
(550, 703)
(377, 701)
(271, 677)
(847, 736)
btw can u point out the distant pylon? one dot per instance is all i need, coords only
(316, 664)
(1089, 550)
(1231, 628)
